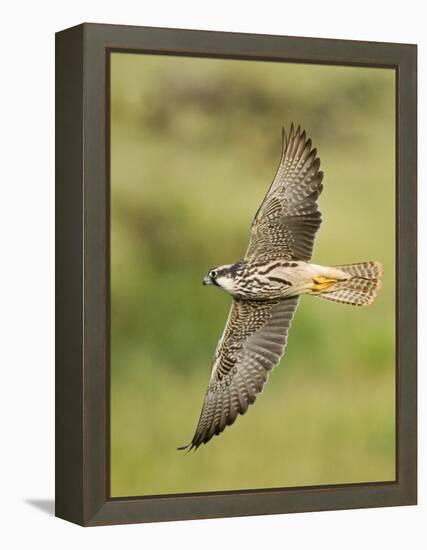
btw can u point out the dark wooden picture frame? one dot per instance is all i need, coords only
(83, 279)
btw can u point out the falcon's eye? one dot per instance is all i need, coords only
(213, 274)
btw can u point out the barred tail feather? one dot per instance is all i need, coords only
(361, 289)
(364, 270)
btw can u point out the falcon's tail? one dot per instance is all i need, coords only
(362, 287)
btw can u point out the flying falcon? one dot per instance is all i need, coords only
(266, 286)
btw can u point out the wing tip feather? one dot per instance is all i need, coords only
(295, 139)
(187, 448)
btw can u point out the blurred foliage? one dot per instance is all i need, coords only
(195, 144)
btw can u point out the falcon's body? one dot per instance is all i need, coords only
(272, 279)
(267, 283)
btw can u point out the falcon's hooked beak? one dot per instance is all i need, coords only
(207, 280)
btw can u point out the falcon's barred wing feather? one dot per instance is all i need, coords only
(288, 218)
(252, 344)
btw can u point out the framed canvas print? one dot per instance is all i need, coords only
(236, 274)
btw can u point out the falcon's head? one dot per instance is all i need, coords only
(224, 276)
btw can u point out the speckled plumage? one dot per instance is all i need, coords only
(267, 283)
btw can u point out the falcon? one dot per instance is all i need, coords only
(267, 283)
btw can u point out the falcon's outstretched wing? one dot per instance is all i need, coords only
(288, 218)
(253, 342)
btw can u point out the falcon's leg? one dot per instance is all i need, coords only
(321, 283)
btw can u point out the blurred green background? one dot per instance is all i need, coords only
(195, 145)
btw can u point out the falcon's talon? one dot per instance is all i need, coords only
(322, 283)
